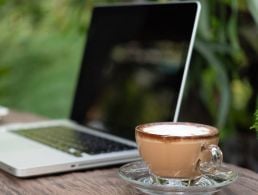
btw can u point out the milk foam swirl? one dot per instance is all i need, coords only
(177, 130)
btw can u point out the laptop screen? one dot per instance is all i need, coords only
(132, 66)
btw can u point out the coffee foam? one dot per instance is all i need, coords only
(177, 130)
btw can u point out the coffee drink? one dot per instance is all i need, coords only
(176, 150)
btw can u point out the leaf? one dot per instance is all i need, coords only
(253, 7)
(204, 22)
(255, 126)
(232, 26)
(222, 80)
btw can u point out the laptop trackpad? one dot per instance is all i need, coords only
(22, 152)
(16, 143)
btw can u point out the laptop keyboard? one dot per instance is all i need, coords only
(73, 142)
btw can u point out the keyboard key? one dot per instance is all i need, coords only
(72, 142)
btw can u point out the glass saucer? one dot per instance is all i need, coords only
(137, 174)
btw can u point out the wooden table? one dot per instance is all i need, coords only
(99, 181)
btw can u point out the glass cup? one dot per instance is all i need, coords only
(179, 151)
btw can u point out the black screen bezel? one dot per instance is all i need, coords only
(88, 72)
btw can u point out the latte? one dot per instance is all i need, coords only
(175, 149)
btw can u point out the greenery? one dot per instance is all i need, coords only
(255, 126)
(41, 48)
(226, 48)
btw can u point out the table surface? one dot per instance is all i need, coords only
(99, 181)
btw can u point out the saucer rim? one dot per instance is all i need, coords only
(140, 185)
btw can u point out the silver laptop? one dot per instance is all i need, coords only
(133, 71)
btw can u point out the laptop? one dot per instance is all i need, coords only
(133, 71)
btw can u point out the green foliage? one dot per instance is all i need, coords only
(223, 48)
(41, 47)
(255, 125)
(253, 7)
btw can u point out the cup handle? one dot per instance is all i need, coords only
(216, 158)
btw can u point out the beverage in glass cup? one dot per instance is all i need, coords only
(178, 150)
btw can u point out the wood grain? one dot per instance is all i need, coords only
(103, 181)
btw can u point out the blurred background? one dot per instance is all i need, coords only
(41, 45)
